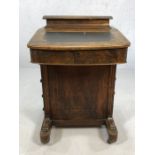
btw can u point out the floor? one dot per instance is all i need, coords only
(75, 141)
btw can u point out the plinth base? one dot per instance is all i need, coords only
(47, 125)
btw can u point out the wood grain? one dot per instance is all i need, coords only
(78, 92)
(78, 57)
(98, 57)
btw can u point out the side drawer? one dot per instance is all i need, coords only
(107, 56)
(91, 57)
(52, 57)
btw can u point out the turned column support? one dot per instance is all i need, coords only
(112, 130)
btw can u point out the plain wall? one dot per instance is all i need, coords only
(31, 12)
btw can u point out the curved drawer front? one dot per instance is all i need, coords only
(98, 57)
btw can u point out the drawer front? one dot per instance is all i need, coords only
(98, 57)
(52, 57)
(109, 56)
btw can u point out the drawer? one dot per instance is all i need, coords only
(52, 57)
(107, 56)
(91, 57)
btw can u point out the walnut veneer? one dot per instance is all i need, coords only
(78, 57)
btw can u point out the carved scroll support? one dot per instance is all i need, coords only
(45, 130)
(112, 130)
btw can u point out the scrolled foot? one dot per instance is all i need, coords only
(112, 130)
(45, 131)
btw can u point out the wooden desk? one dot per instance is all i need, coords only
(78, 58)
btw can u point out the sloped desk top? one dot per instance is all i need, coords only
(78, 40)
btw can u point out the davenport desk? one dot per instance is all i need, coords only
(78, 57)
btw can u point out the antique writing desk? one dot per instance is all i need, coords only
(78, 58)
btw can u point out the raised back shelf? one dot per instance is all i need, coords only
(77, 23)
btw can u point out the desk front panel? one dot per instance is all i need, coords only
(79, 93)
(98, 57)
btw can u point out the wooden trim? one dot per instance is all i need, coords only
(80, 123)
(77, 23)
(77, 17)
(89, 46)
(45, 80)
(73, 29)
(111, 90)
